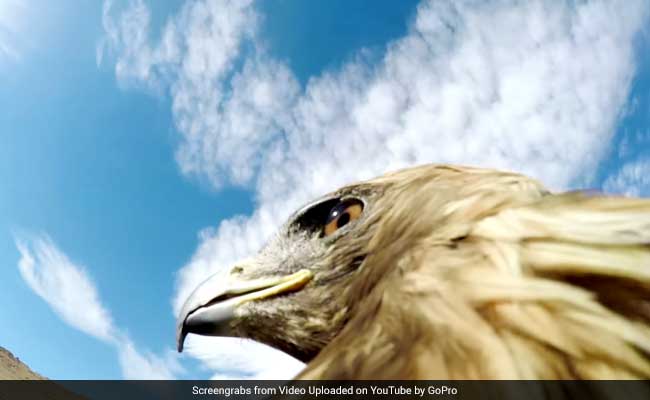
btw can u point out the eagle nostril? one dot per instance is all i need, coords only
(237, 270)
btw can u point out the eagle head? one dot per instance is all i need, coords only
(292, 294)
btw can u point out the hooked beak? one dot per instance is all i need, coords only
(211, 306)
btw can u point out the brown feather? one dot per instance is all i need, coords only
(480, 274)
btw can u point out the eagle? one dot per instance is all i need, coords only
(445, 272)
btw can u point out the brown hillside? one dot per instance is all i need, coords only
(11, 368)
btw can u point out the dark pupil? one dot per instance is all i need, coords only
(343, 219)
(340, 214)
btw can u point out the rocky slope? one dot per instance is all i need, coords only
(11, 368)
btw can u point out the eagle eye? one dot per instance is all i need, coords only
(342, 214)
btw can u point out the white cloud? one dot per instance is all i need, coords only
(632, 179)
(68, 289)
(12, 25)
(530, 86)
(197, 58)
(233, 358)
(140, 365)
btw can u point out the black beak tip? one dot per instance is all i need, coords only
(180, 338)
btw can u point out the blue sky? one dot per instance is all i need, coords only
(148, 144)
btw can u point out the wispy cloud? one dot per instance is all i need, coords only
(530, 86)
(138, 364)
(198, 61)
(631, 179)
(12, 19)
(233, 358)
(68, 289)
